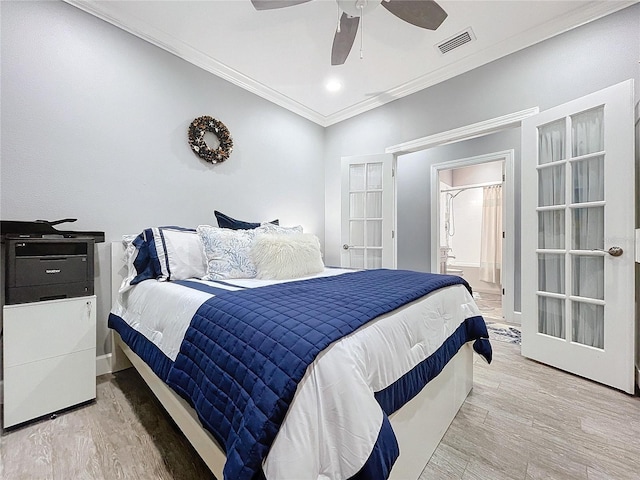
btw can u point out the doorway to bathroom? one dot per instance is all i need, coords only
(474, 217)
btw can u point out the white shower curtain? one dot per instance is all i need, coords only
(491, 235)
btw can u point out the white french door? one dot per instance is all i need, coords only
(577, 253)
(367, 212)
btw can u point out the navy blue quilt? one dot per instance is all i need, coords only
(246, 351)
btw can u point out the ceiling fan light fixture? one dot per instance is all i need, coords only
(333, 85)
(358, 8)
(421, 13)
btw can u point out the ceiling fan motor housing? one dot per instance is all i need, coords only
(357, 8)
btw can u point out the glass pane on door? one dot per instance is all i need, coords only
(374, 204)
(356, 257)
(587, 324)
(356, 205)
(587, 132)
(356, 234)
(374, 176)
(551, 272)
(551, 316)
(374, 233)
(551, 186)
(551, 142)
(588, 180)
(588, 276)
(374, 258)
(356, 177)
(551, 229)
(588, 228)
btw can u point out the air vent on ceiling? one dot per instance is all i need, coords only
(456, 41)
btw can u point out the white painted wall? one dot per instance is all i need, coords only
(474, 174)
(94, 126)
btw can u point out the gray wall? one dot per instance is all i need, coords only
(94, 126)
(413, 180)
(581, 61)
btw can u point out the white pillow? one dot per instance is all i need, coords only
(129, 255)
(227, 252)
(179, 253)
(280, 256)
(277, 229)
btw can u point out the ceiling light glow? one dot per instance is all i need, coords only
(333, 85)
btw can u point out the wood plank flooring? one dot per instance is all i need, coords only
(522, 420)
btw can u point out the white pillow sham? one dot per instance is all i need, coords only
(180, 253)
(284, 256)
(130, 253)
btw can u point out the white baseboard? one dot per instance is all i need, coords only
(510, 316)
(112, 362)
(103, 364)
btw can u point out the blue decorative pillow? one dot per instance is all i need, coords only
(225, 221)
(143, 262)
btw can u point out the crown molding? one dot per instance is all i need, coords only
(161, 39)
(559, 25)
(463, 133)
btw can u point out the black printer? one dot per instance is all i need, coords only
(42, 263)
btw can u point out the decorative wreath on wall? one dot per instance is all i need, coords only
(202, 125)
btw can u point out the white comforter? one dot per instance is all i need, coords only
(332, 425)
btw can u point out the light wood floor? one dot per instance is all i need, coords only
(522, 420)
(490, 306)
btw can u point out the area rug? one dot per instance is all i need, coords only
(504, 333)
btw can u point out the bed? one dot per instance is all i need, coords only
(328, 425)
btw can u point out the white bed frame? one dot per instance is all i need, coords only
(419, 425)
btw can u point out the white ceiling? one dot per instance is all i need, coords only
(283, 55)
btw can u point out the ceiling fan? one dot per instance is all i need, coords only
(421, 13)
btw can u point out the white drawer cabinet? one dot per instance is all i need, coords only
(49, 357)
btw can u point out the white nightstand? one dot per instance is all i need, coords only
(49, 357)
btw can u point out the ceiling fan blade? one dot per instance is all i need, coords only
(423, 13)
(273, 4)
(343, 40)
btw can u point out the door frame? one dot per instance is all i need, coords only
(508, 202)
(455, 135)
(389, 188)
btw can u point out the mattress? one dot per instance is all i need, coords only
(154, 316)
